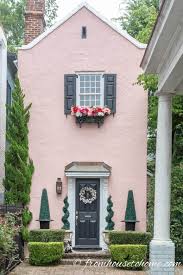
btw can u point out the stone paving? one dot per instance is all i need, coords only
(26, 269)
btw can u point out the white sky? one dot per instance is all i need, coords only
(108, 8)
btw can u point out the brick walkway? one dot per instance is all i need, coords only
(26, 269)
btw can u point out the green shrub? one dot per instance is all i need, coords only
(129, 237)
(128, 256)
(46, 235)
(25, 233)
(8, 247)
(42, 253)
(26, 217)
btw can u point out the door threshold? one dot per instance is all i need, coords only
(87, 247)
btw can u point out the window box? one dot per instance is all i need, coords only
(85, 119)
(90, 114)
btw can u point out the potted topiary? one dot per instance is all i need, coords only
(44, 215)
(130, 214)
(66, 227)
(110, 223)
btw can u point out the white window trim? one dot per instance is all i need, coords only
(78, 86)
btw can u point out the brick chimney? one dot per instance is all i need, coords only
(34, 19)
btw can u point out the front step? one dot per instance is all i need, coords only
(87, 255)
(85, 261)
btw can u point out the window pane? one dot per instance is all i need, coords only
(97, 84)
(90, 90)
(87, 90)
(87, 97)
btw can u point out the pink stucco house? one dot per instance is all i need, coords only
(85, 61)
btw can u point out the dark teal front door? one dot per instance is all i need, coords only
(87, 212)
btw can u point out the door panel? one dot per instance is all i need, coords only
(87, 212)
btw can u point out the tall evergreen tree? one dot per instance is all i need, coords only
(18, 166)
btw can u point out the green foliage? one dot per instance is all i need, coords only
(8, 247)
(66, 224)
(110, 223)
(129, 237)
(25, 233)
(18, 166)
(129, 256)
(130, 214)
(139, 18)
(176, 209)
(51, 12)
(42, 253)
(12, 19)
(44, 214)
(46, 235)
(149, 82)
(26, 216)
(138, 21)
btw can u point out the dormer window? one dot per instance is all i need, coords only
(90, 90)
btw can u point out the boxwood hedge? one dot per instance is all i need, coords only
(128, 256)
(42, 253)
(46, 235)
(129, 237)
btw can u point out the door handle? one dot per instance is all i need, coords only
(76, 219)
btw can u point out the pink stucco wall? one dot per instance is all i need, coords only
(55, 140)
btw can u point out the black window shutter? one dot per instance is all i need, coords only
(110, 91)
(69, 92)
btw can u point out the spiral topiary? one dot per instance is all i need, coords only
(110, 223)
(66, 224)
